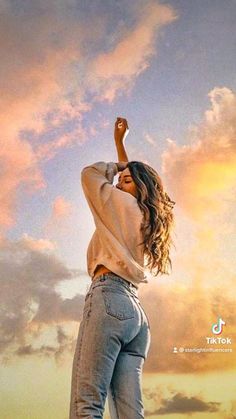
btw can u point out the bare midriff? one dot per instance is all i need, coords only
(100, 269)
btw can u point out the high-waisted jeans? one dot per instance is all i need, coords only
(112, 345)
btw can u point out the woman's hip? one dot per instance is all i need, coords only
(111, 308)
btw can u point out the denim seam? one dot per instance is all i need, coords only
(116, 280)
(105, 284)
(123, 401)
(114, 401)
(78, 359)
(146, 317)
(119, 279)
(138, 305)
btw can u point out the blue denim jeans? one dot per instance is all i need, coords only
(112, 345)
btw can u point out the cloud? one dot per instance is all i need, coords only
(30, 243)
(48, 150)
(201, 178)
(64, 343)
(181, 315)
(59, 222)
(149, 139)
(61, 207)
(180, 403)
(32, 85)
(115, 71)
(59, 52)
(18, 166)
(202, 174)
(30, 303)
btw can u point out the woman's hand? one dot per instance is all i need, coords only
(121, 165)
(121, 129)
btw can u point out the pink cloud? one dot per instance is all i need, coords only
(59, 222)
(33, 84)
(43, 89)
(117, 70)
(38, 245)
(48, 150)
(18, 167)
(61, 208)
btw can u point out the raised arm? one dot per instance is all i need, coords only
(121, 131)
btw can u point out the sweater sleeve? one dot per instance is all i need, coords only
(97, 183)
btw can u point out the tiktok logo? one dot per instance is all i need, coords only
(217, 327)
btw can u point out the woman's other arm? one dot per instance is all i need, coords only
(121, 131)
(97, 182)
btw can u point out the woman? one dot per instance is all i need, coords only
(133, 222)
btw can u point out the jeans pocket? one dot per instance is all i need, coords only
(118, 304)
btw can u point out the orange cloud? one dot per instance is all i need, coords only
(181, 315)
(182, 307)
(202, 174)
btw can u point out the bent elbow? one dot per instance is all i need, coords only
(85, 174)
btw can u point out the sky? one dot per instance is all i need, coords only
(68, 69)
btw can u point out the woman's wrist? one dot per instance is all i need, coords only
(121, 165)
(119, 139)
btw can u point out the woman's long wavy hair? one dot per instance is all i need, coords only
(158, 220)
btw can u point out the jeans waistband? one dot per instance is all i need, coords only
(110, 275)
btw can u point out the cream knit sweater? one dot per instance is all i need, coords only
(117, 218)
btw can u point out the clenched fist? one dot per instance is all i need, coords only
(121, 129)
